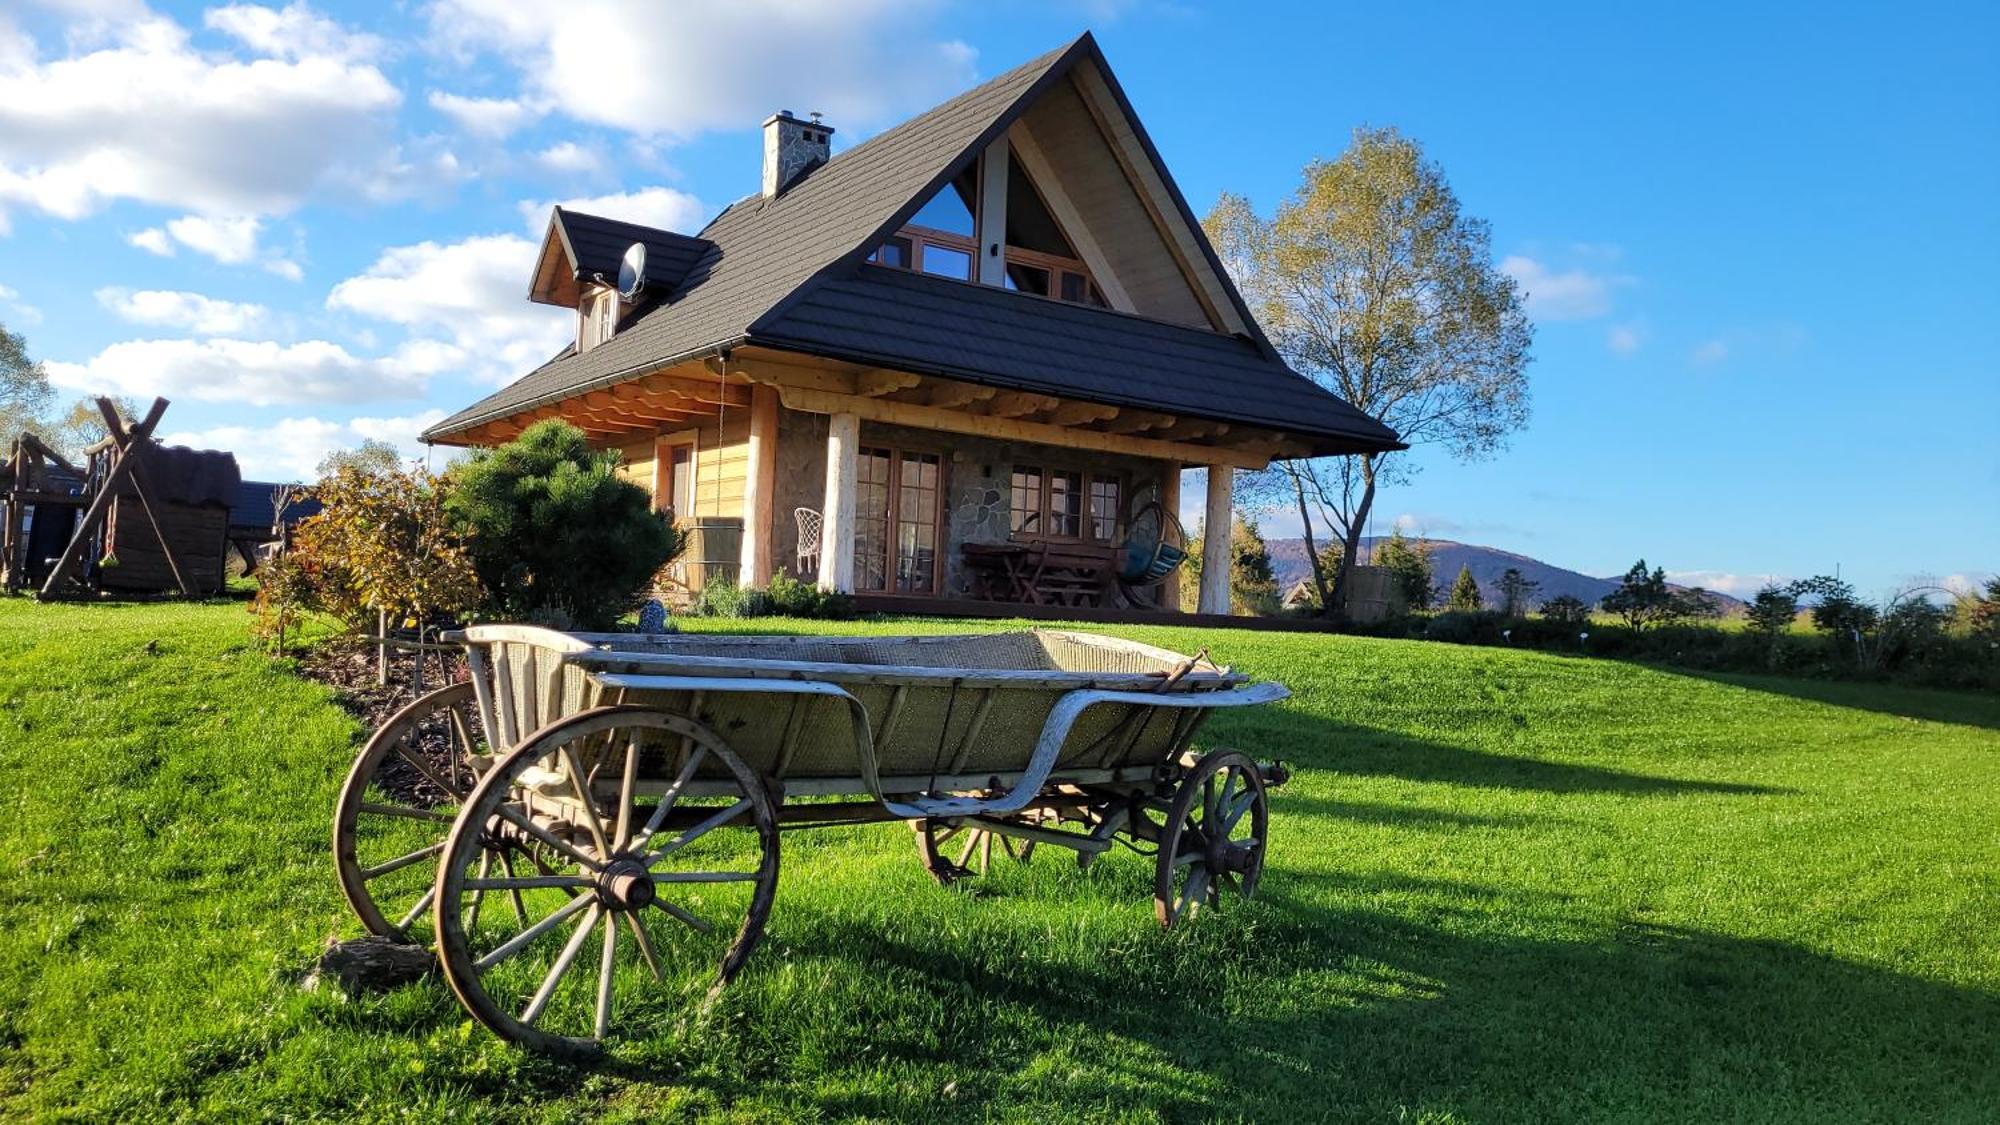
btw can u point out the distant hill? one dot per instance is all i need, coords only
(1288, 561)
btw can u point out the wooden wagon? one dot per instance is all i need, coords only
(554, 816)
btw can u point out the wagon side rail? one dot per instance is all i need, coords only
(1048, 745)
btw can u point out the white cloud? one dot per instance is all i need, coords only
(230, 239)
(472, 293)
(175, 309)
(1711, 352)
(660, 207)
(1744, 586)
(486, 117)
(153, 239)
(291, 449)
(677, 70)
(569, 157)
(292, 32)
(254, 373)
(141, 114)
(1625, 339)
(23, 311)
(1575, 294)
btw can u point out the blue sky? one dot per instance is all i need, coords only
(1759, 244)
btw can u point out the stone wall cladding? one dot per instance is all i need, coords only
(977, 474)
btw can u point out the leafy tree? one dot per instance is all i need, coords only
(1983, 615)
(1253, 586)
(1515, 591)
(1566, 609)
(1837, 609)
(1409, 564)
(1692, 604)
(1464, 592)
(370, 458)
(24, 389)
(82, 424)
(1373, 283)
(554, 531)
(1772, 611)
(1642, 597)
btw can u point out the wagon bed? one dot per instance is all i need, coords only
(567, 758)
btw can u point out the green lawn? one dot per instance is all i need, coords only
(1503, 886)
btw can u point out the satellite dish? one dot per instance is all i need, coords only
(632, 272)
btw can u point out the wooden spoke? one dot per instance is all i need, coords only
(685, 916)
(667, 799)
(417, 911)
(704, 876)
(423, 768)
(627, 791)
(377, 809)
(582, 791)
(602, 1027)
(402, 861)
(560, 969)
(527, 937)
(520, 907)
(698, 831)
(645, 944)
(528, 882)
(560, 846)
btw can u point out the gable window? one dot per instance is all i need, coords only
(1055, 503)
(941, 240)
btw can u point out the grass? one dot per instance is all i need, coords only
(1504, 886)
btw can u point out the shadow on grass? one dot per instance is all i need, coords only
(1390, 1015)
(1963, 708)
(1361, 751)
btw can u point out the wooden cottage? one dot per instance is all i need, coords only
(949, 363)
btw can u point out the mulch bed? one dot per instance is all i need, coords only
(350, 669)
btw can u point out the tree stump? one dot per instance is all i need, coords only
(370, 964)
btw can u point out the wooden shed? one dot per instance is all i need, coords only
(192, 493)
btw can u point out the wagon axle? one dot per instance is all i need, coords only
(626, 884)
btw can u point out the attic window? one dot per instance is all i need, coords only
(597, 319)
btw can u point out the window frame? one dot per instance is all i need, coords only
(1043, 515)
(894, 514)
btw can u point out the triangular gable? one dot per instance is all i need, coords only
(1079, 74)
(580, 247)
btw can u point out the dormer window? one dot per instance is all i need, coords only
(597, 318)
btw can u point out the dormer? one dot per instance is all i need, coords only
(578, 269)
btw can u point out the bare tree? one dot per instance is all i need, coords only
(1372, 283)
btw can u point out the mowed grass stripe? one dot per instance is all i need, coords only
(1502, 886)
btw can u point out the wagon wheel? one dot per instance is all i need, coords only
(955, 848)
(397, 806)
(634, 902)
(1209, 844)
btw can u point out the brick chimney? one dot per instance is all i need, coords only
(791, 149)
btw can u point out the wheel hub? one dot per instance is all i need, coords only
(625, 885)
(1236, 858)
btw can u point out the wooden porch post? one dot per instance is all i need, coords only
(1215, 552)
(760, 483)
(1170, 499)
(836, 541)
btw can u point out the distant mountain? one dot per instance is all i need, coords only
(1288, 562)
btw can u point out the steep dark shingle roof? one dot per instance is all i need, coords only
(764, 249)
(987, 335)
(788, 272)
(597, 246)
